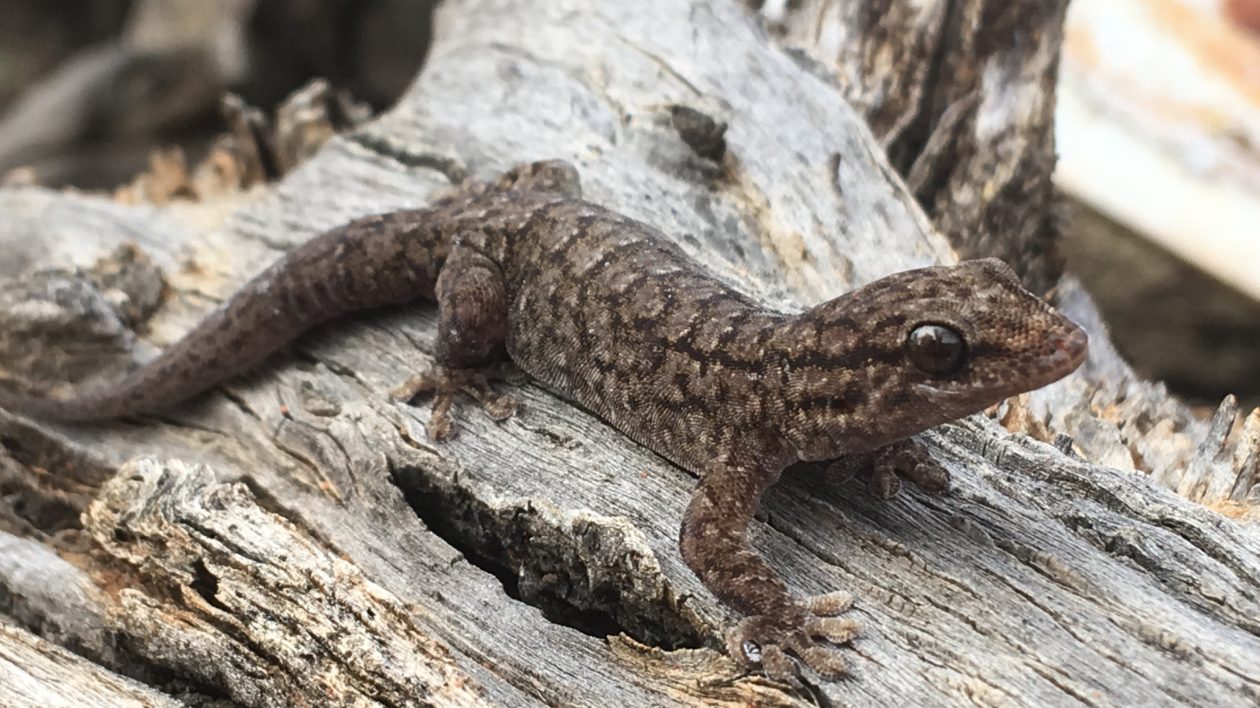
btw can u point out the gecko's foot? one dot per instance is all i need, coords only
(444, 384)
(805, 635)
(905, 460)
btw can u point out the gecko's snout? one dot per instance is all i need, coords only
(1077, 345)
(1070, 346)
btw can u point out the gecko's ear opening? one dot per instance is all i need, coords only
(937, 349)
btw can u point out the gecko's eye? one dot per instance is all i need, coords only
(936, 349)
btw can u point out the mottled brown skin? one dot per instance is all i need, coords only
(609, 313)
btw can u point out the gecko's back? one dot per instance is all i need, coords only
(611, 313)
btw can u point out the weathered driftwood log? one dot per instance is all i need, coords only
(35, 672)
(293, 538)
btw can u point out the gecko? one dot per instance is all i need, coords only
(611, 314)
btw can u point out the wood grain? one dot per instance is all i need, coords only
(360, 563)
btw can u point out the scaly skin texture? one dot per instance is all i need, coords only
(610, 313)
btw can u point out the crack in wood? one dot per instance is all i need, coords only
(569, 571)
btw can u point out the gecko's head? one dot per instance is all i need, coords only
(916, 349)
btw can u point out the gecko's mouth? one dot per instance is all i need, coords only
(1064, 354)
(1068, 352)
(936, 394)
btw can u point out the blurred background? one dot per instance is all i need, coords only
(1158, 132)
(1158, 129)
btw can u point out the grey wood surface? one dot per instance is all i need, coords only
(34, 672)
(293, 538)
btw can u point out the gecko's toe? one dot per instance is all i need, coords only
(829, 604)
(441, 425)
(441, 430)
(823, 619)
(883, 483)
(500, 408)
(444, 384)
(905, 460)
(427, 382)
(837, 630)
(776, 664)
(805, 636)
(930, 476)
(827, 662)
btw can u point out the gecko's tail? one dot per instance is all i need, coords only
(232, 339)
(68, 410)
(367, 263)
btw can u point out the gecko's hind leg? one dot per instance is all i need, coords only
(472, 329)
(444, 384)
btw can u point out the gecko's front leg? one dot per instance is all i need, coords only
(778, 630)
(884, 469)
(472, 327)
